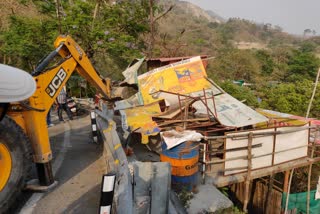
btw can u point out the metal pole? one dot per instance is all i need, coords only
(288, 194)
(310, 170)
(313, 93)
(204, 163)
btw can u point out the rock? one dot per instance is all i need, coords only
(208, 199)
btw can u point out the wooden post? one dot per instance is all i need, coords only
(286, 185)
(186, 112)
(206, 102)
(286, 181)
(247, 183)
(269, 194)
(180, 107)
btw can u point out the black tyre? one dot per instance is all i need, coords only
(15, 145)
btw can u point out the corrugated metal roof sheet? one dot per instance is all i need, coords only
(168, 59)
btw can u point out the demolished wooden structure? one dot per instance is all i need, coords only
(219, 117)
(216, 171)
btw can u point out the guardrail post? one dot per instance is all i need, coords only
(107, 191)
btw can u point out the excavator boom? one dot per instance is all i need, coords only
(49, 84)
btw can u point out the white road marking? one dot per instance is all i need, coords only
(65, 145)
(31, 203)
(33, 200)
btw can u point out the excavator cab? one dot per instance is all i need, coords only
(16, 85)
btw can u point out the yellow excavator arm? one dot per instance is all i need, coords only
(49, 84)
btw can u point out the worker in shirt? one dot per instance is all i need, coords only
(63, 105)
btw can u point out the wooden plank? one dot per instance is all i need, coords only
(168, 122)
(221, 181)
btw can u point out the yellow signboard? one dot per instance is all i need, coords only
(279, 119)
(183, 77)
(139, 119)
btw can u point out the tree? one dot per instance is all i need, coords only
(307, 32)
(234, 64)
(288, 97)
(307, 46)
(111, 38)
(240, 93)
(27, 41)
(302, 65)
(266, 61)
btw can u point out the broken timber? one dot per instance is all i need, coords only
(221, 181)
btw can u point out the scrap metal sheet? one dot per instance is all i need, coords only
(230, 111)
(133, 101)
(139, 119)
(130, 73)
(283, 119)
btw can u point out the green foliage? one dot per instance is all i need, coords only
(307, 46)
(266, 61)
(213, 25)
(290, 98)
(27, 41)
(240, 93)
(185, 196)
(111, 39)
(47, 7)
(227, 31)
(302, 65)
(234, 64)
(115, 33)
(119, 33)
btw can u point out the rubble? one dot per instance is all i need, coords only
(178, 103)
(180, 94)
(201, 203)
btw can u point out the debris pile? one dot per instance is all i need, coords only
(179, 94)
(179, 105)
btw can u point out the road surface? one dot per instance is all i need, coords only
(78, 166)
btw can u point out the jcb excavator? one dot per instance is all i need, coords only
(23, 130)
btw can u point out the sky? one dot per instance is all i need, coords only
(293, 16)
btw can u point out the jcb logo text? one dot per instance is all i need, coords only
(56, 82)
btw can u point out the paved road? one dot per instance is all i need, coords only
(78, 167)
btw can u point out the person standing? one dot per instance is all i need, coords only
(62, 105)
(49, 123)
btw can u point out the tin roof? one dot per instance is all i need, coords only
(167, 59)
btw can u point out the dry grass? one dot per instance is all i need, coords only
(14, 7)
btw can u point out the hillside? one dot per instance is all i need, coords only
(271, 60)
(14, 7)
(190, 30)
(186, 30)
